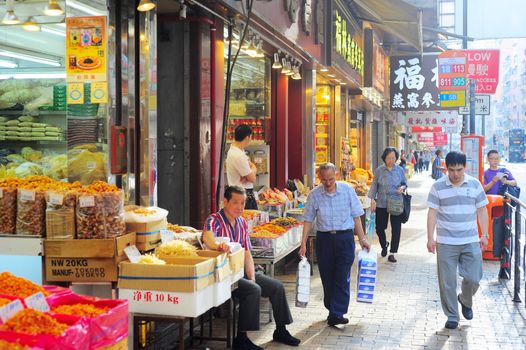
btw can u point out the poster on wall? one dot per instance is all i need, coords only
(86, 59)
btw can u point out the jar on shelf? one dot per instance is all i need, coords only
(260, 160)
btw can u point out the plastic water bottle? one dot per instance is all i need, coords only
(303, 283)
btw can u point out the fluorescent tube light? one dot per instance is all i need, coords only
(85, 8)
(53, 31)
(33, 76)
(30, 58)
(8, 64)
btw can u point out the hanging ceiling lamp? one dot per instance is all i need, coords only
(277, 63)
(296, 70)
(145, 5)
(53, 9)
(285, 65)
(31, 26)
(10, 16)
(289, 69)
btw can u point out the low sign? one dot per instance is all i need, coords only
(482, 106)
(483, 66)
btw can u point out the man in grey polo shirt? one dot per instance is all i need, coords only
(455, 203)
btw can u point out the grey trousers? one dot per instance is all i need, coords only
(249, 294)
(468, 259)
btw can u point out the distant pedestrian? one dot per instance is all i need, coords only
(415, 154)
(427, 159)
(388, 184)
(337, 211)
(455, 203)
(495, 177)
(421, 161)
(436, 169)
(403, 160)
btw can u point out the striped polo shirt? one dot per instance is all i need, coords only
(457, 209)
(219, 225)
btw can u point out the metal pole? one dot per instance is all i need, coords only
(517, 259)
(472, 87)
(465, 119)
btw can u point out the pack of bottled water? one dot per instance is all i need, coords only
(303, 283)
(367, 269)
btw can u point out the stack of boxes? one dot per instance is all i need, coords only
(367, 269)
(60, 99)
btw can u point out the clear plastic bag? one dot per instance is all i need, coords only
(8, 205)
(100, 215)
(303, 283)
(60, 214)
(31, 212)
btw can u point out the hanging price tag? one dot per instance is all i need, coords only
(132, 253)
(27, 195)
(56, 198)
(167, 236)
(10, 310)
(38, 302)
(86, 201)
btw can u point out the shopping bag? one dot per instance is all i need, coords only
(407, 206)
(367, 269)
(370, 219)
(303, 283)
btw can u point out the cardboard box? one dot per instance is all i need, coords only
(169, 303)
(237, 261)
(85, 260)
(147, 227)
(180, 274)
(222, 263)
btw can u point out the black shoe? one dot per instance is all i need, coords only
(283, 336)
(451, 325)
(467, 312)
(391, 258)
(244, 344)
(384, 249)
(335, 320)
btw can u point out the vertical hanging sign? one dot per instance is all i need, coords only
(452, 79)
(86, 55)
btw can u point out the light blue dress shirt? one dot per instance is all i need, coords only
(333, 211)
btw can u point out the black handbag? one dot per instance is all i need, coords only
(407, 206)
(515, 191)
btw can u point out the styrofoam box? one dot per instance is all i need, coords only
(237, 276)
(169, 303)
(222, 291)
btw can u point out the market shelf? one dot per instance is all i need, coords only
(32, 113)
(21, 245)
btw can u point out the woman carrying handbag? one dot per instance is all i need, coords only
(386, 198)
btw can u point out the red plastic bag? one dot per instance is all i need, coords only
(105, 329)
(76, 337)
(53, 290)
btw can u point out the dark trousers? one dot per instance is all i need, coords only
(335, 254)
(248, 293)
(251, 202)
(382, 217)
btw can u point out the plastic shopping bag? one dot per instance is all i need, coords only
(370, 220)
(303, 283)
(367, 269)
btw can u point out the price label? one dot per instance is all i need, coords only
(38, 302)
(132, 253)
(167, 236)
(10, 310)
(1, 193)
(56, 198)
(86, 201)
(27, 195)
(91, 165)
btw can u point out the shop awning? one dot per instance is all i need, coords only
(395, 17)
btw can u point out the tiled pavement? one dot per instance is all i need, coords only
(406, 312)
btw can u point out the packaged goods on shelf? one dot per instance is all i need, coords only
(100, 211)
(86, 165)
(60, 211)
(147, 223)
(8, 206)
(30, 215)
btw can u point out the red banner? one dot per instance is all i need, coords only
(416, 129)
(483, 65)
(425, 138)
(440, 139)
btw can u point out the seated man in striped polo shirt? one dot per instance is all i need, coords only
(228, 222)
(455, 203)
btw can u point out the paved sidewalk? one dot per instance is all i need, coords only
(406, 313)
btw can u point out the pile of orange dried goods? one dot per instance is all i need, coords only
(5, 345)
(37, 183)
(17, 286)
(11, 182)
(34, 322)
(4, 301)
(88, 310)
(99, 187)
(249, 214)
(264, 234)
(275, 229)
(144, 211)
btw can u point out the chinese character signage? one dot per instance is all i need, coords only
(87, 57)
(414, 83)
(440, 139)
(346, 45)
(483, 65)
(379, 67)
(432, 120)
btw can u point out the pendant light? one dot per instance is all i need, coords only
(289, 69)
(53, 9)
(10, 16)
(31, 26)
(285, 66)
(277, 63)
(145, 6)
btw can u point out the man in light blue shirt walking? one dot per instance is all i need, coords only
(337, 211)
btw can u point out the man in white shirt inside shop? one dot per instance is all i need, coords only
(240, 171)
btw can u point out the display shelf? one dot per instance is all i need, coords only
(21, 245)
(33, 114)
(38, 142)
